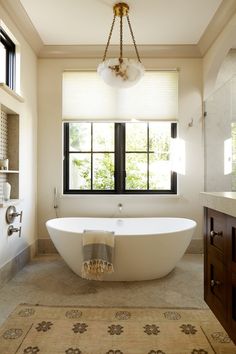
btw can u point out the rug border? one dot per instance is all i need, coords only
(118, 307)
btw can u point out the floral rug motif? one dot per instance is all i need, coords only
(33, 329)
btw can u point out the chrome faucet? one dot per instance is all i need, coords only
(120, 206)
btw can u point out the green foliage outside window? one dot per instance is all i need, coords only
(92, 156)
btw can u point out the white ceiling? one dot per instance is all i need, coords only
(81, 22)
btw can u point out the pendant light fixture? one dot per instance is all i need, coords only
(121, 72)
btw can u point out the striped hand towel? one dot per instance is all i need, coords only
(98, 247)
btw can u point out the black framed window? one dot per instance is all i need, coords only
(119, 158)
(7, 56)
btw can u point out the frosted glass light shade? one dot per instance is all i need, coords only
(121, 75)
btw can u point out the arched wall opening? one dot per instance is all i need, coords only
(216, 55)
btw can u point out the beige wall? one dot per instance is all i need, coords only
(11, 246)
(50, 149)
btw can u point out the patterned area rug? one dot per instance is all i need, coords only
(84, 330)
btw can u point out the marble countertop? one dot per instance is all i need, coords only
(225, 202)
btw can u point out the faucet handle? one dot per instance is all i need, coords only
(12, 229)
(18, 214)
(12, 213)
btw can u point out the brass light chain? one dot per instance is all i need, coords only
(109, 38)
(121, 11)
(121, 39)
(131, 31)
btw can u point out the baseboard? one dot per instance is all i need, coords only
(46, 246)
(196, 246)
(9, 270)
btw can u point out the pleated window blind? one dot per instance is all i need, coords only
(86, 97)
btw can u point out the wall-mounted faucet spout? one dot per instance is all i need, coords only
(120, 206)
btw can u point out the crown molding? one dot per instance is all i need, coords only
(97, 51)
(19, 16)
(22, 21)
(222, 16)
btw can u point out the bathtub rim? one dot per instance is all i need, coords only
(155, 234)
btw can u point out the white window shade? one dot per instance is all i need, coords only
(86, 97)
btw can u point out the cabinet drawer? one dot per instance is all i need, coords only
(216, 287)
(231, 231)
(216, 232)
(220, 268)
(233, 308)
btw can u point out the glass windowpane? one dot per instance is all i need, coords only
(103, 136)
(2, 63)
(80, 136)
(103, 171)
(159, 173)
(159, 139)
(136, 136)
(80, 171)
(136, 171)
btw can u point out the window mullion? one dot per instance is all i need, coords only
(123, 168)
(119, 157)
(173, 130)
(8, 68)
(173, 173)
(66, 157)
(117, 161)
(148, 156)
(91, 156)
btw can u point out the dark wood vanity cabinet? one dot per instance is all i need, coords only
(220, 268)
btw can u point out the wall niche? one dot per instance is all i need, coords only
(9, 149)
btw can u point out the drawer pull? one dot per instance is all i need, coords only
(213, 233)
(215, 283)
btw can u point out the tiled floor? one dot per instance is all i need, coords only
(47, 280)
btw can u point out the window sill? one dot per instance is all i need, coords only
(5, 88)
(118, 196)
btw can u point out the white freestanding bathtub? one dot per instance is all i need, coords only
(145, 248)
